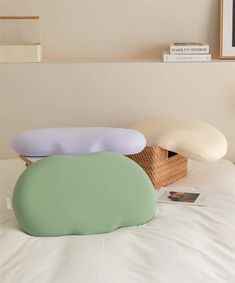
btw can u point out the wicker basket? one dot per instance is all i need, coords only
(163, 167)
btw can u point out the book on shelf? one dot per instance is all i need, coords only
(189, 48)
(167, 57)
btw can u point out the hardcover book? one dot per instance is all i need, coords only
(189, 48)
(167, 57)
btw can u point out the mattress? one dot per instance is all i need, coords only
(183, 243)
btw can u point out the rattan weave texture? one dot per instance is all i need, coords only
(161, 169)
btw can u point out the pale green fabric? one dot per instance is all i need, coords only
(87, 194)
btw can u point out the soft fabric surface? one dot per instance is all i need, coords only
(87, 194)
(75, 141)
(188, 137)
(183, 244)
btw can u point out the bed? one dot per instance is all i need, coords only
(183, 243)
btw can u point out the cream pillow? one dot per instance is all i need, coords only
(188, 137)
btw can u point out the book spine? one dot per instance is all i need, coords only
(186, 58)
(204, 49)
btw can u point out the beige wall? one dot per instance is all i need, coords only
(54, 94)
(116, 94)
(119, 28)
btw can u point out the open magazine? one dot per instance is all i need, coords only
(177, 197)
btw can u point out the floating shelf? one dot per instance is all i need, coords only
(124, 61)
(20, 39)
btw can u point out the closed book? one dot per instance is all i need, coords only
(167, 57)
(189, 48)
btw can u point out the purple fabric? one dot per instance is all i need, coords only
(75, 141)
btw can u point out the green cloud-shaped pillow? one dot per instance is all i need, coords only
(87, 194)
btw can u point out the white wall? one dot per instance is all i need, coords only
(116, 94)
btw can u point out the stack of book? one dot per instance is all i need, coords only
(187, 52)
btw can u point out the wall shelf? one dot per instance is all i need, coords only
(119, 61)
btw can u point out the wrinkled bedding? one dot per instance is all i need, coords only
(183, 243)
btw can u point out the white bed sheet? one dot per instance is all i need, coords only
(183, 244)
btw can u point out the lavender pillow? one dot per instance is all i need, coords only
(75, 141)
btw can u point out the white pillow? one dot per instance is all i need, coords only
(188, 137)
